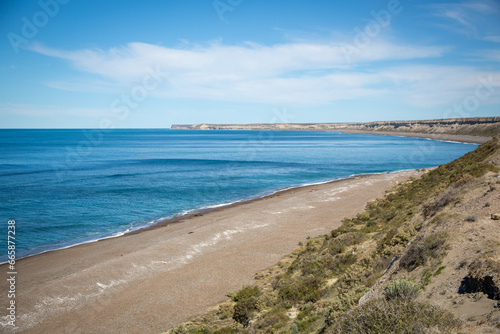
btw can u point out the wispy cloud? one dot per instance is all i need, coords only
(492, 38)
(431, 86)
(489, 55)
(299, 73)
(247, 60)
(295, 73)
(475, 19)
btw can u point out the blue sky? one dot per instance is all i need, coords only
(128, 64)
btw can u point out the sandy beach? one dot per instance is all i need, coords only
(148, 281)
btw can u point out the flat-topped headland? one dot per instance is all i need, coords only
(474, 129)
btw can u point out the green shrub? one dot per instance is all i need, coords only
(299, 289)
(312, 267)
(351, 238)
(247, 292)
(344, 302)
(274, 318)
(246, 304)
(336, 247)
(440, 269)
(347, 226)
(340, 263)
(396, 316)
(401, 289)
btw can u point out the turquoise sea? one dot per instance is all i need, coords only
(64, 187)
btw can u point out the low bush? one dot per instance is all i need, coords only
(401, 289)
(344, 302)
(246, 304)
(351, 238)
(336, 248)
(341, 262)
(272, 319)
(299, 289)
(396, 316)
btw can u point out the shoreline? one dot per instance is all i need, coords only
(161, 222)
(212, 252)
(468, 139)
(193, 212)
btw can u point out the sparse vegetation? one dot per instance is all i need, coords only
(440, 269)
(421, 251)
(246, 304)
(401, 289)
(225, 310)
(398, 316)
(317, 288)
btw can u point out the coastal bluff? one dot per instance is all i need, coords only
(485, 127)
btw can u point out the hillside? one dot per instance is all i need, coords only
(423, 259)
(477, 126)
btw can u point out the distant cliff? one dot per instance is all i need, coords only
(476, 126)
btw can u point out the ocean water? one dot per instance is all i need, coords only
(64, 187)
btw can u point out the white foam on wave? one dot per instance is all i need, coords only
(451, 141)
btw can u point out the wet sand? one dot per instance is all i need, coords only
(149, 281)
